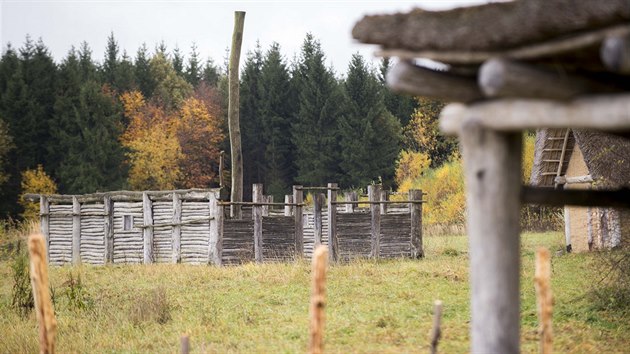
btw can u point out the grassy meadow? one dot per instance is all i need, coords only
(373, 307)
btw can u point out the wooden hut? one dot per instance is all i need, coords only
(578, 159)
(510, 67)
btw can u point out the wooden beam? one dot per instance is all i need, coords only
(600, 112)
(615, 53)
(579, 197)
(563, 153)
(176, 230)
(506, 78)
(405, 77)
(573, 180)
(109, 229)
(492, 166)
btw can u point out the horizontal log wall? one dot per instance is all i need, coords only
(188, 228)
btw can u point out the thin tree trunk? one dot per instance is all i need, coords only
(233, 115)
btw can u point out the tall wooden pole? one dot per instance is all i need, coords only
(233, 116)
(318, 301)
(492, 165)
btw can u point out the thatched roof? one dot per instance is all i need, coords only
(495, 26)
(607, 156)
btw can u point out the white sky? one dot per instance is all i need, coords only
(209, 24)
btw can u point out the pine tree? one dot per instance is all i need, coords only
(125, 76)
(111, 62)
(315, 133)
(210, 73)
(370, 135)
(178, 62)
(170, 88)
(145, 81)
(275, 114)
(193, 68)
(252, 141)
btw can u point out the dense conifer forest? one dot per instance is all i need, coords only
(156, 119)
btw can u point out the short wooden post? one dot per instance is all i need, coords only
(147, 230)
(384, 197)
(318, 201)
(176, 231)
(436, 333)
(333, 243)
(492, 165)
(108, 237)
(185, 344)
(318, 301)
(216, 231)
(41, 295)
(298, 199)
(288, 199)
(44, 218)
(265, 208)
(76, 231)
(350, 197)
(544, 297)
(417, 247)
(257, 215)
(374, 195)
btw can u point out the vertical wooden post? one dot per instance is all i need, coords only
(567, 228)
(185, 344)
(374, 195)
(233, 115)
(176, 231)
(288, 199)
(257, 215)
(221, 158)
(44, 218)
(216, 231)
(318, 301)
(417, 247)
(436, 333)
(109, 229)
(147, 230)
(298, 199)
(492, 165)
(384, 197)
(41, 295)
(350, 197)
(542, 283)
(265, 208)
(333, 243)
(318, 201)
(76, 231)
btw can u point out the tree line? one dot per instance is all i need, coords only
(158, 120)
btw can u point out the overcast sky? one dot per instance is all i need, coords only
(209, 24)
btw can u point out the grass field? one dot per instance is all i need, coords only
(382, 307)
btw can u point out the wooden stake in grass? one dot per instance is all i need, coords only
(544, 298)
(436, 333)
(41, 295)
(318, 300)
(185, 344)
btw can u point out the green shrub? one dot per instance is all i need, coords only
(76, 294)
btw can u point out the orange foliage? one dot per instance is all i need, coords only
(35, 181)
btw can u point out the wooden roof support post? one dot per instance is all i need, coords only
(147, 230)
(492, 165)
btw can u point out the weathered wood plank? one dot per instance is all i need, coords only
(333, 243)
(76, 231)
(177, 229)
(374, 195)
(257, 213)
(298, 199)
(416, 224)
(147, 231)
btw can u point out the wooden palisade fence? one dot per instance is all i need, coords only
(194, 226)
